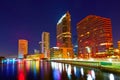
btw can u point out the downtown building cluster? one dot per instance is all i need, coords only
(41, 53)
(94, 37)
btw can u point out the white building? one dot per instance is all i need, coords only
(45, 43)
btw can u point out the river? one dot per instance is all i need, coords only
(43, 70)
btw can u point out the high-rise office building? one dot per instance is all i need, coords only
(94, 35)
(45, 43)
(22, 48)
(40, 44)
(118, 46)
(64, 35)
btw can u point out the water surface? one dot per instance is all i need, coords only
(43, 70)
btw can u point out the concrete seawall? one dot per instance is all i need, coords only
(105, 66)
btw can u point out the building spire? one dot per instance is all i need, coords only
(67, 13)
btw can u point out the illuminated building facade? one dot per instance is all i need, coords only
(118, 46)
(64, 35)
(55, 53)
(45, 43)
(40, 43)
(22, 48)
(94, 36)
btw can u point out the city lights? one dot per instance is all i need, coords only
(36, 45)
(88, 49)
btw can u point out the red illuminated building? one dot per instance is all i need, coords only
(94, 36)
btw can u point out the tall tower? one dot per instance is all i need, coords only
(118, 46)
(22, 48)
(45, 43)
(64, 35)
(40, 43)
(94, 36)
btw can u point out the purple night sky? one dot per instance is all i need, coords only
(27, 19)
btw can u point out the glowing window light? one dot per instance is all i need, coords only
(102, 44)
(81, 59)
(65, 33)
(56, 47)
(88, 49)
(88, 32)
(76, 46)
(110, 60)
(67, 36)
(91, 59)
(81, 35)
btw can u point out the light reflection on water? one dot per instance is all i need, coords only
(111, 77)
(69, 71)
(42, 70)
(21, 73)
(91, 75)
(82, 71)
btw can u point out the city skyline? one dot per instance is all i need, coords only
(27, 20)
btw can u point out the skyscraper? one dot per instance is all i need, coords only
(64, 35)
(22, 48)
(118, 46)
(94, 35)
(45, 43)
(40, 44)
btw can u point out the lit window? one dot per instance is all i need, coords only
(88, 32)
(81, 35)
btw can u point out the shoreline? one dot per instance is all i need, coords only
(92, 64)
(102, 65)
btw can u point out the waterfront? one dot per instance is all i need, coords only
(43, 70)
